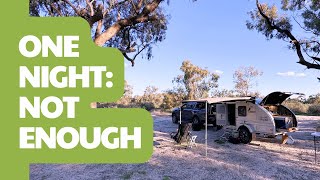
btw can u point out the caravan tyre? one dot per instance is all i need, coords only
(196, 125)
(244, 135)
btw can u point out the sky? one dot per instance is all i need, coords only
(213, 35)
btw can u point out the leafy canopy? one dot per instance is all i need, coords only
(132, 26)
(197, 82)
(296, 22)
(244, 79)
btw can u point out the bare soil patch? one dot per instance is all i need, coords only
(266, 160)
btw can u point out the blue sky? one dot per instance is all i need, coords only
(213, 34)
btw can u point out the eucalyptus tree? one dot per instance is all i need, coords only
(197, 82)
(296, 22)
(244, 79)
(132, 26)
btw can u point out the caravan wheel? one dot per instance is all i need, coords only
(245, 135)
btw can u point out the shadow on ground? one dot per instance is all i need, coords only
(265, 160)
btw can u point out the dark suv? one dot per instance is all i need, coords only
(194, 112)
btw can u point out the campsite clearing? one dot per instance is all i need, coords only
(264, 159)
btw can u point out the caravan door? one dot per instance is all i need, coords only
(221, 114)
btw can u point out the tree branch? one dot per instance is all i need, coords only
(135, 56)
(304, 28)
(98, 30)
(73, 7)
(295, 42)
(122, 23)
(97, 15)
(91, 18)
(140, 5)
(128, 58)
(90, 6)
(58, 11)
(315, 58)
(49, 11)
(114, 6)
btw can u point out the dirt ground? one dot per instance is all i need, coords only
(265, 159)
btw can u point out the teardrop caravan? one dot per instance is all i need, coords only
(249, 116)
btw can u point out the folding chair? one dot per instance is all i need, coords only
(191, 140)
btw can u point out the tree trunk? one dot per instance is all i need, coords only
(107, 35)
(122, 23)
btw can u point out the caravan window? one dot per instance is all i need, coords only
(242, 111)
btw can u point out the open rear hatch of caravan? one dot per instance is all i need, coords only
(284, 118)
(276, 98)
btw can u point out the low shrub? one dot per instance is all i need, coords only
(297, 107)
(314, 109)
(148, 106)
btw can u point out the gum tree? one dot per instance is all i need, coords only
(132, 26)
(296, 22)
(244, 79)
(197, 82)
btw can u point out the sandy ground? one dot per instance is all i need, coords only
(267, 159)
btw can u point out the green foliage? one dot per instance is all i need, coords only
(166, 178)
(314, 109)
(244, 79)
(142, 172)
(172, 98)
(151, 98)
(127, 175)
(139, 29)
(296, 106)
(127, 96)
(313, 99)
(224, 93)
(196, 82)
(310, 106)
(296, 22)
(259, 23)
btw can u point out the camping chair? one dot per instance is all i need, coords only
(191, 140)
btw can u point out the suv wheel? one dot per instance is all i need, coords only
(174, 119)
(196, 125)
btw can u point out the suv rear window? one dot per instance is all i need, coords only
(200, 106)
(190, 105)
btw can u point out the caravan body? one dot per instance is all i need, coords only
(247, 116)
(233, 115)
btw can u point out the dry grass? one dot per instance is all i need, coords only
(268, 160)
